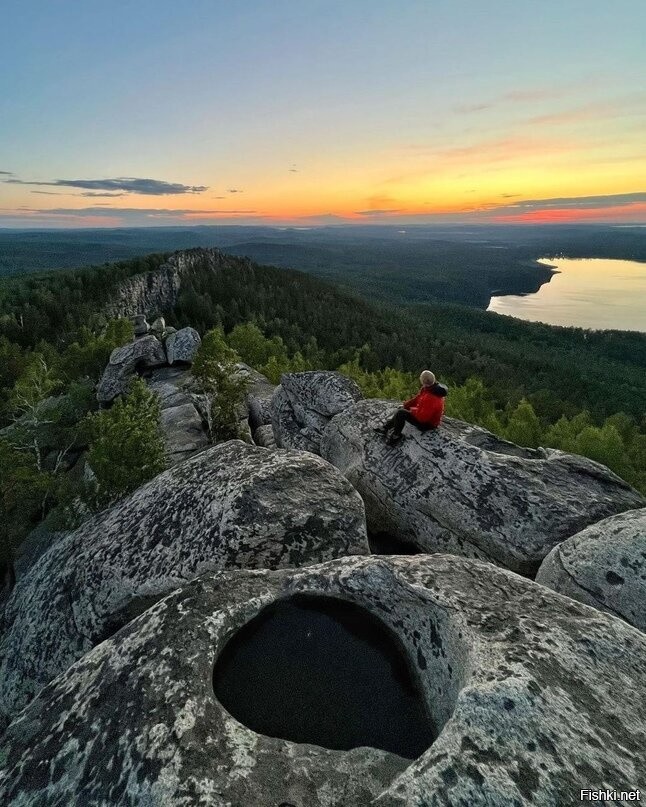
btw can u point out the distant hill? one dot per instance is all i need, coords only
(462, 265)
(562, 370)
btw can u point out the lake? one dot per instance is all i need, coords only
(587, 293)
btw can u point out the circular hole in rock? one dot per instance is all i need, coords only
(323, 671)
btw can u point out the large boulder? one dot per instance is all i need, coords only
(462, 490)
(304, 403)
(528, 696)
(603, 566)
(231, 506)
(182, 345)
(142, 354)
(181, 422)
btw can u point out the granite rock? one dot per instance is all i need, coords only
(533, 697)
(460, 489)
(231, 506)
(603, 566)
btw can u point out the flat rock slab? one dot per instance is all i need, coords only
(534, 696)
(460, 489)
(231, 506)
(603, 566)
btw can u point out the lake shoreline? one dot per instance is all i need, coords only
(589, 293)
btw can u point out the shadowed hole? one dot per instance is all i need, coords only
(382, 543)
(327, 672)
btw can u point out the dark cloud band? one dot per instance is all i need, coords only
(145, 187)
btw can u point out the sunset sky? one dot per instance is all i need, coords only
(158, 112)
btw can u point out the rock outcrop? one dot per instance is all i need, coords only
(140, 325)
(181, 346)
(231, 506)
(144, 353)
(157, 291)
(304, 403)
(181, 423)
(603, 566)
(462, 490)
(532, 697)
(149, 292)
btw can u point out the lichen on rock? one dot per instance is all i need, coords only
(533, 696)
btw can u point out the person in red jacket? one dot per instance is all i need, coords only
(424, 410)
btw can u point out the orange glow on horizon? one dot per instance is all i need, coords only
(635, 212)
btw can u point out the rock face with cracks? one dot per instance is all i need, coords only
(462, 490)
(534, 696)
(304, 403)
(181, 422)
(231, 506)
(182, 345)
(603, 566)
(142, 354)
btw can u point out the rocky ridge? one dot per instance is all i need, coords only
(528, 692)
(157, 292)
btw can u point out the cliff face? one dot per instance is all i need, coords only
(153, 293)
(149, 293)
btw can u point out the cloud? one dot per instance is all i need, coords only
(107, 215)
(612, 213)
(467, 109)
(6, 173)
(50, 193)
(152, 212)
(94, 195)
(511, 97)
(578, 202)
(235, 190)
(387, 212)
(145, 187)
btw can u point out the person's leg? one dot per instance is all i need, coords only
(389, 424)
(399, 420)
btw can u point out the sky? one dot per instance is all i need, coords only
(277, 112)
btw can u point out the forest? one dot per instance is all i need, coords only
(423, 263)
(536, 385)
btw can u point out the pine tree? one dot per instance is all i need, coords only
(127, 447)
(223, 386)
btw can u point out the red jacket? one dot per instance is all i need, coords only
(427, 406)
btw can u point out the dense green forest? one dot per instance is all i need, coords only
(536, 385)
(459, 264)
(560, 370)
